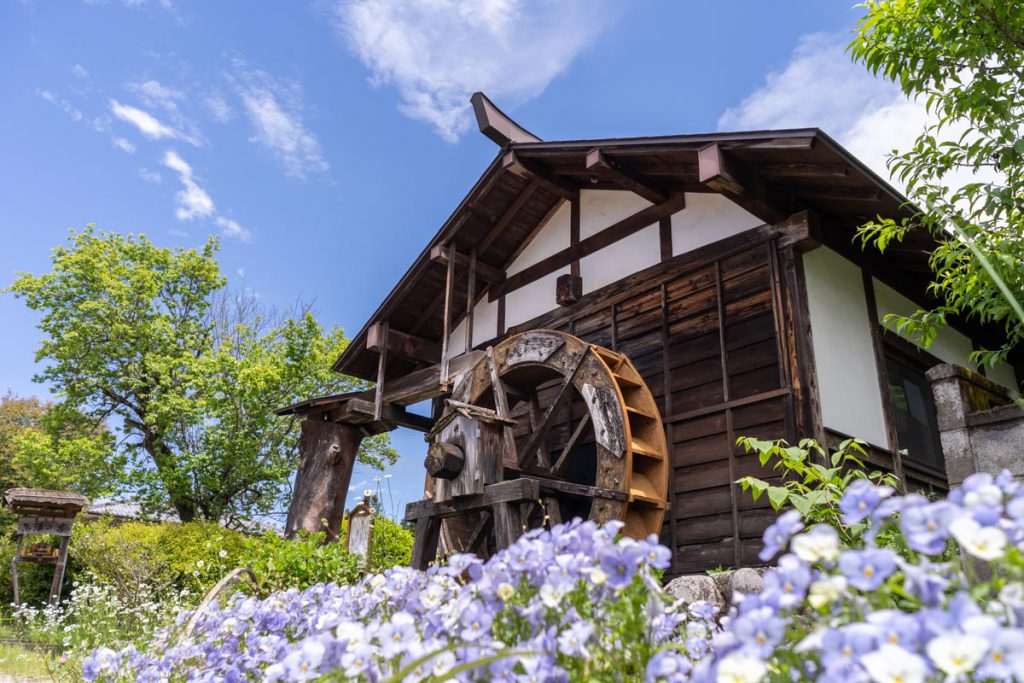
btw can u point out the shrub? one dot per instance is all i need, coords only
(280, 564)
(391, 545)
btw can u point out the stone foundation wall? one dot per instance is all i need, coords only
(980, 425)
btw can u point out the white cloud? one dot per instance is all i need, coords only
(275, 109)
(155, 94)
(192, 200)
(438, 52)
(149, 125)
(123, 145)
(241, 272)
(62, 104)
(218, 107)
(79, 71)
(232, 229)
(150, 176)
(177, 233)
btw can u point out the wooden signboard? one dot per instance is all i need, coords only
(360, 531)
(56, 526)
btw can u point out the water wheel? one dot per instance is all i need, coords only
(545, 428)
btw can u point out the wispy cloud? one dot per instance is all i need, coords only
(276, 110)
(820, 86)
(149, 125)
(218, 107)
(64, 105)
(231, 228)
(79, 71)
(174, 232)
(123, 145)
(150, 176)
(156, 94)
(192, 201)
(438, 52)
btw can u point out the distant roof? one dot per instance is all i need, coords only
(799, 168)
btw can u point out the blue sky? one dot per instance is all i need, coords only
(327, 141)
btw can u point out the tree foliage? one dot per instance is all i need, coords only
(149, 336)
(964, 59)
(54, 446)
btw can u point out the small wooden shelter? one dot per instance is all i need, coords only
(48, 513)
(723, 267)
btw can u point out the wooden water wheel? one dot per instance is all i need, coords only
(545, 428)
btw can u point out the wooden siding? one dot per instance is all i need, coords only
(706, 339)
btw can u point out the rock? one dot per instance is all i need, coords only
(745, 581)
(693, 588)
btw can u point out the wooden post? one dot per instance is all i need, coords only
(447, 331)
(58, 572)
(470, 300)
(328, 453)
(382, 364)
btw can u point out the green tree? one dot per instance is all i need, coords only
(148, 335)
(54, 446)
(964, 59)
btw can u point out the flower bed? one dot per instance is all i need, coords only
(895, 602)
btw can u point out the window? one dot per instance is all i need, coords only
(913, 409)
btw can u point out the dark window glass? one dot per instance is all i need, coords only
(914, 412)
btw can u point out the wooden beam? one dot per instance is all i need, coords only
(801, 231)
(360, 411)
(423, 384)
(511, 491)
(449, 284)
(402, 344)
(382, 364)
(488, 273)
(604, 167)
(727, 177)
(624, 228)
(513, 163)
(496, 124)
(574, 233)
(470, 299)
(506, 217)
(665, 237)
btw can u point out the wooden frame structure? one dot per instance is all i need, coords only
(49, 513)
(722, 315)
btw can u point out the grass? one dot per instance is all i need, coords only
(22, 664)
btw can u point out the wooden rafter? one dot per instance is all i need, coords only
(513, 163)
(401, 343)
(502, 222)
(606, 168)
(488, 273)
(729, 178)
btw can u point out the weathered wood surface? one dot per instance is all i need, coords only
(56, 526)
(327, 453)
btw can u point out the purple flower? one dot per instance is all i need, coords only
(925, 525)
(787, 584)
(861, 499)
(667, 666)
(759, 630)
(655, 554)
(476, 621)
(867, 569)
(572, 641)
(778, 534)
(619, 562)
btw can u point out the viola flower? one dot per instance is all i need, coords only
(1004, 660)
(476, 621)
(759, 631)
(777, 536)
(867, 569)
(956, 654)
(739, 667)
(984, 542)
(572, 642)
(861, 499)
(619, 563)
(819, 544)
(926, 525)
(789, 581)
(825, 591)
(893, 664)
(667, 666)
(655, 554)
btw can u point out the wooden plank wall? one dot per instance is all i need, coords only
(707, 340)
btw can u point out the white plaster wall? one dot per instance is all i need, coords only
(485, 325)
(708, 218)
(600, 208)
(530, 301)
(851, 401)
(552, 238)
(950, 346)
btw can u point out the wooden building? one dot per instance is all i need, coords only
(724, 266)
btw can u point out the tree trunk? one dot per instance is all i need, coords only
(180, 497)
(327, 454)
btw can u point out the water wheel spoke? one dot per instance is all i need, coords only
(535, 418)
(542, 429)
(562, 463)
(480, 532)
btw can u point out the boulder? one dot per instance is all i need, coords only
(694, 588)
(745, 581)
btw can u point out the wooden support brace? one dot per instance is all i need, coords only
(604, 167)
(382, 364)
(488, 273)
(513, 163)
(541, 431)
(401, 343)
(728, 177)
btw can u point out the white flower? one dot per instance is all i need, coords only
(984, 542)
(597, 576)
(201, 564)
(551, 595)
(893, 664)
(821, 543)
(826, 591)
(506, 591)
(740, 667)
(222, 554)
(956, 653)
